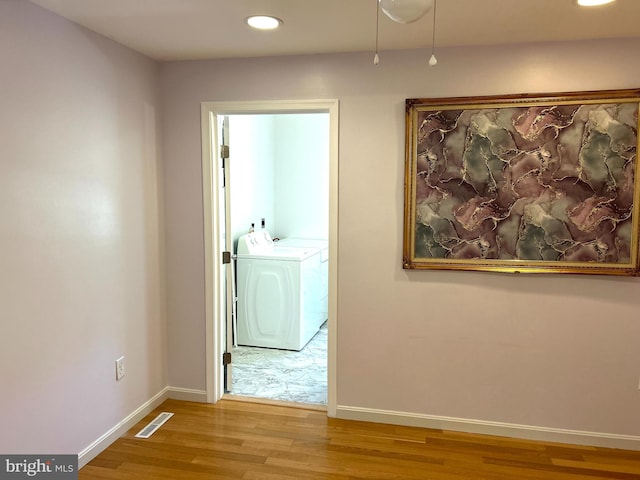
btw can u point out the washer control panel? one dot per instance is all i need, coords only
(254, 242)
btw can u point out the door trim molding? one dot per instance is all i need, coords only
(214, 324)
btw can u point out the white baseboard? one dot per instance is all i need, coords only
(175, 393)
(576, 437)
(93, 450)
(187, 394)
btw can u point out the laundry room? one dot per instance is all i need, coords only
(278, 195)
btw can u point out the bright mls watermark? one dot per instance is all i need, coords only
(50, 467)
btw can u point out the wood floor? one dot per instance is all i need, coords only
(238, 440)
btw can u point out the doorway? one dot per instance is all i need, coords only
(216, 342)
(277, 174)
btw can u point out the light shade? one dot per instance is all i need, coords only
(405, 11)
(593, 3)
(263, 22)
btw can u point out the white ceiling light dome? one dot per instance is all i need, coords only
(593, 3)
(405, 11)
(263, 22)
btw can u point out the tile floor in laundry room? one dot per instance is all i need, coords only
(283, 374)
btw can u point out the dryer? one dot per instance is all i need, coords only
(278, 293)
(323, 245)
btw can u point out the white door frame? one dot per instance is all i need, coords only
(213, 250)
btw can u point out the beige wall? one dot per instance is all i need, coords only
(81, 250)
(550, 351)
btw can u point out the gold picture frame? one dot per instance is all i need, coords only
(523, 183)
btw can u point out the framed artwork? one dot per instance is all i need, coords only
(523, 183)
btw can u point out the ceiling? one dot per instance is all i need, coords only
(209, 29)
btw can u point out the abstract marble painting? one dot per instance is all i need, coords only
(539, 185)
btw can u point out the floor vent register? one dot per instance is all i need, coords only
(155, 424)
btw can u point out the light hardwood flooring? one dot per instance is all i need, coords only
(253, 441)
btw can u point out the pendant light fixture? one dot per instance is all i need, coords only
(404, 11)
(376, 58)
(433, 61)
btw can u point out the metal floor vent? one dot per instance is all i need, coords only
(155, 424)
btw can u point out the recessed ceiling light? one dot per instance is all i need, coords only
(593, 3)
(263, 22)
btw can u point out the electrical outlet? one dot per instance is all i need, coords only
(119, 368)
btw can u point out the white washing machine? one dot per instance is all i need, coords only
(323, 246)
(278, 293)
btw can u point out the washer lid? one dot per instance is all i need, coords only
(296, 254)
(303, 242)
(323, 245)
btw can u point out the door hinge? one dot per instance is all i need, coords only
(226, 358)
(226, 257)
(224, 151)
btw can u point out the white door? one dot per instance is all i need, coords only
(228, 287)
